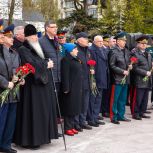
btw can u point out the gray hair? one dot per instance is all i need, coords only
(47, 23)
(16, 29)
(97, 37)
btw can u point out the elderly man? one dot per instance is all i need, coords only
(141, 70)
(100, 55)
(18, 37)
(119, 63)
(9, 61)
(84, 55)
(36, 114)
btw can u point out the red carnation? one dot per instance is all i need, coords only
(133, 60)
(91, 62)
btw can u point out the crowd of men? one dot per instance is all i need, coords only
(62, 74)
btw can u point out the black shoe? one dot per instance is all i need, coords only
(125, 120)
(85, 126)
(147, 112)
(100, 118)
(137, 117)
(60, 135)
(115, 122)
(145, 116)
(106, 115)
(78, 128)
(100, 123)
(93, 124)
(8, 150)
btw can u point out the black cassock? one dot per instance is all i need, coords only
(36, 112)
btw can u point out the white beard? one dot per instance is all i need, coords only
(36, 46)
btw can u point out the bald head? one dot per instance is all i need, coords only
(98, 41)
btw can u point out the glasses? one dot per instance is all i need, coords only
(52, 27)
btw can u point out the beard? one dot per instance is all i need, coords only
(36, 46)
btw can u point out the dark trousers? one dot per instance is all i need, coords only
(141, 101)
(68, 122)
(81, 119)
(94, 106)
(105, 104)
(7, 124)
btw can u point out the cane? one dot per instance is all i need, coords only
(57, 101)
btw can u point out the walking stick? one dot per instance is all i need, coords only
(57, 101)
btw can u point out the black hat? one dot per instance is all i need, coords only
(121, 36)
(30, 30)
(81, 35)
(142, 39)
(106, 37)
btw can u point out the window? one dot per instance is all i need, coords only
(92, 11)
(69, 4)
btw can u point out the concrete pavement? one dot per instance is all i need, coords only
(128, 137)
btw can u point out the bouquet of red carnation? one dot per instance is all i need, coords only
(21, 73)
(93, 85)
(133, 61)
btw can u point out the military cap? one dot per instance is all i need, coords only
(81, 35)
(1, 25)
(121, 36)
(106, 37)
(8, 31)
(142, 39)
(61, 33)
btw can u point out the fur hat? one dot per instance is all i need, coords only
(30, 30)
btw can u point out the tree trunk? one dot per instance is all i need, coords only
(11, 12)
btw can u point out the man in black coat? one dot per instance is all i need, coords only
(36, 113)
(119, 63)
(142, 69)
(84, 55)
(9, 61)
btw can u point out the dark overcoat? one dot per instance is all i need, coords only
(9, 61)
(71, 77)
(140, 69)
(100, 55)
(51, 50)
(36, 113)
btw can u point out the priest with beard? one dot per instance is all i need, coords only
(36, 113)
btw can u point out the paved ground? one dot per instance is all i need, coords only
(133, 137)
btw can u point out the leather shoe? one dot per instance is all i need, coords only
(69, 132)
(100, 123)
(85, 126)
(75, 131)
(147, 112)
(8, 150)
(137, 117)
(78, 128)
(93, 124)
(115, 122)
(59, 135)
(145, 116)
(125, 120)
(100, 118)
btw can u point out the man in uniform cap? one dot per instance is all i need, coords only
(119, 63)
(9, 61)
(141, 70)
(106, 38)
